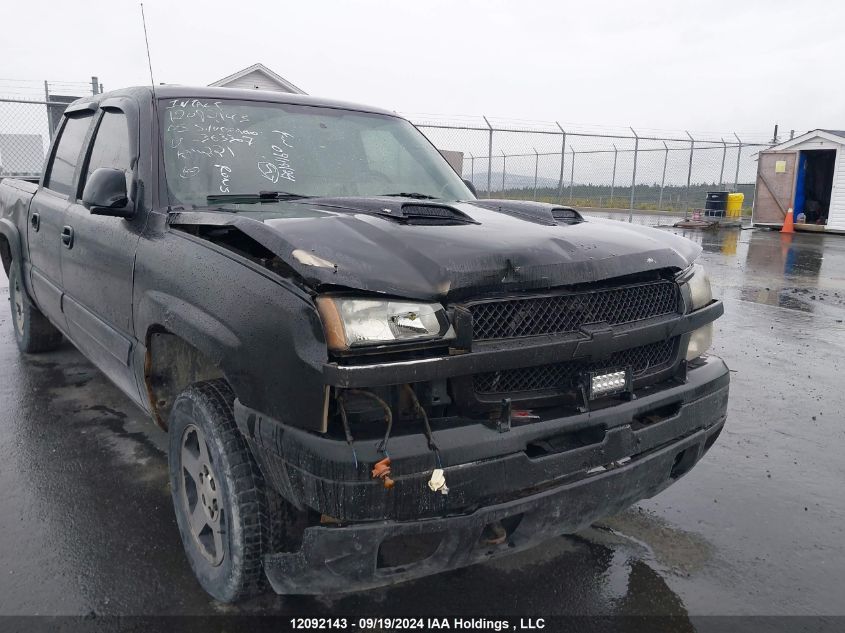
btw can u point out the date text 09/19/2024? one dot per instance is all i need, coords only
(425, 624)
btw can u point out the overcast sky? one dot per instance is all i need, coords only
(713, 66)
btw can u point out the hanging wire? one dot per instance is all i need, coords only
(420, 411)
(347, 431)
(388, 416)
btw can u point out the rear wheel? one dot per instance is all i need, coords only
(218, 493)
(33, 332)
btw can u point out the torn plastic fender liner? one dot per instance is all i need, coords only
(502, 253)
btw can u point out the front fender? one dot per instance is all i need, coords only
(190, 323)
(266, 338)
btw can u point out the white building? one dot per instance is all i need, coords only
(258, 77)
(806, 174)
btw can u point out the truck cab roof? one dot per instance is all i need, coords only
(174, 91)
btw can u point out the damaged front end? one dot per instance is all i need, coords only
(482, 392)
(404, 484)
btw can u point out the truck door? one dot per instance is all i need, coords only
(47, 212)
(97, 266)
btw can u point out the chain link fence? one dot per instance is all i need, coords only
(636, 172)
(503, 159)
(29, 114)
(25, 135)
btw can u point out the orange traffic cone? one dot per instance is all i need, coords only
(788, 223)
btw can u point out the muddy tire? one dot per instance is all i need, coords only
(218, 493)
(33, 332)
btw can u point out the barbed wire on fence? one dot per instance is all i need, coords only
(608, 169)
(536, 160)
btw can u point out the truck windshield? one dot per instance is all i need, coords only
(219, 147)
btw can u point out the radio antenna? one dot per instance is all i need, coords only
(147, 42)
(153, 86)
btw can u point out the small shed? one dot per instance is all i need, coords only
(805, 174)
(258, 77)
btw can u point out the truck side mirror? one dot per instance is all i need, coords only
(105, 193)
(471, 187)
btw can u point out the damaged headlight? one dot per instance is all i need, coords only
(352, 322)
(700, 295)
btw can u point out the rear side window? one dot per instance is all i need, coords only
(60, 173)
(111, 144)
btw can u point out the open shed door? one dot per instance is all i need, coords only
(775, 186)
(836, 215)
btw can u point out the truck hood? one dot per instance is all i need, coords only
(502, 247)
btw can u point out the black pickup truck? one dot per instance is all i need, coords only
(367, 374)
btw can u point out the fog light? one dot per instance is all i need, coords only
(603, 384)
(700, 341)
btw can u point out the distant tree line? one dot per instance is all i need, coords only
(646, 197)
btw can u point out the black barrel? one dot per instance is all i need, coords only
(716, 204)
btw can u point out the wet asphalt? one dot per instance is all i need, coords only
(757, 527)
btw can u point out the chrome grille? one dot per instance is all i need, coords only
(642, 361)
(559, 314)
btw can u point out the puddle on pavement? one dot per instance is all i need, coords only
(74, 384)
(800, 299)
(803, 273)
(597, 578)
(673, 550)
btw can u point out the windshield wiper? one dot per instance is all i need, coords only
(413, 194)
(249, 198)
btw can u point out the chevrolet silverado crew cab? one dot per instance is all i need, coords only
(366, 373)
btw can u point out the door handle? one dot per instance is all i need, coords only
(67, 236)
(35, 220)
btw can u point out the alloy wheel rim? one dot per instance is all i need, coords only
(201, 497)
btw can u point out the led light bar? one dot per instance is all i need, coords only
(605, 384)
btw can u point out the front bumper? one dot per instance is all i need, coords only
(534, 470)
(343, 559)
(483, 466)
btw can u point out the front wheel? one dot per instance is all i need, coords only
(33, 332)
(218, 493)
